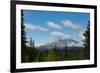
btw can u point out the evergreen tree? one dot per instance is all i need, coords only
(87, 42)
(30, 41)
(33, 43)
(32, 52)
(65, 52)
(66, 49)
(23, 40)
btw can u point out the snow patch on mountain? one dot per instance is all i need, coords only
(62, 43)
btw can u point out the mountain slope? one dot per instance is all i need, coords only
(61, 43)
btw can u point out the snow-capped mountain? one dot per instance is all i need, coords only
(61, 43)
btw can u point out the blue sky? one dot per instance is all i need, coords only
(46, 26)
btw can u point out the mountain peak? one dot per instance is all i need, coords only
(61, 43)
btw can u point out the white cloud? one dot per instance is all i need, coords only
(70, 24)
(54, 25)
(70, 36)
(62, 35)
(57, 33)
(35, 27)
(81, 34)
(39, 43)
(41, 28)
(29, 26)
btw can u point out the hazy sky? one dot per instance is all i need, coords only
(47, 26)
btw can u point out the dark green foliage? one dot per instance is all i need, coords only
(23, 40)
(52, 54)
(30, 41)
(42, 55)
(32, 52)
(65, 52)
(28, 54)
(87, 42)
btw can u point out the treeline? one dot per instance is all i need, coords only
(54, 54)
(34, 54)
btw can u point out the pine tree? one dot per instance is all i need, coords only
(32, 52)
(30, 41)
(33, 43)
(65, 52)
(23, 39)
(66, 49)
(87, 42)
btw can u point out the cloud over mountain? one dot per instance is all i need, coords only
(62, 35)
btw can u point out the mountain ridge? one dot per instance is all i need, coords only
(60, 44)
